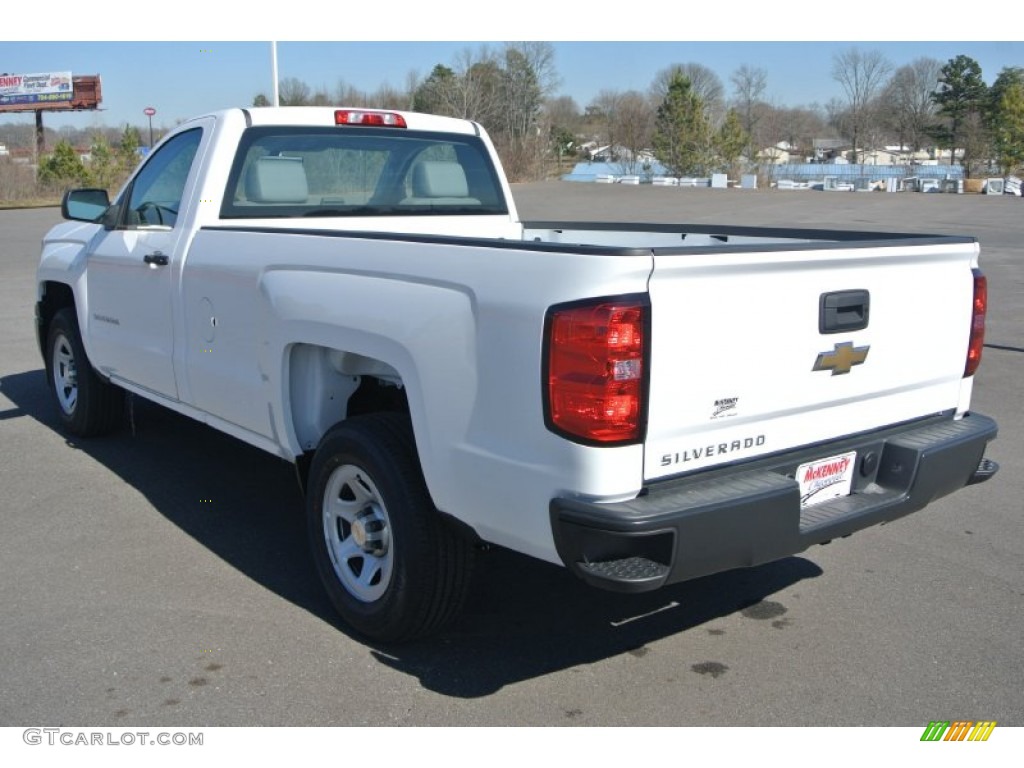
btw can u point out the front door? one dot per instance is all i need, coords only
(130, 271)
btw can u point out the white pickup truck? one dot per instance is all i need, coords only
(352, 291)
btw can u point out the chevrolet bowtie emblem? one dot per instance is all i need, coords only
(841, 359)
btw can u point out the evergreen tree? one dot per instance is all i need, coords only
(435, 94)
(128, 149)
(63, 167)
(682, 129)
(1006, 119)
(104, 170)
(960, 98)
(731, 139)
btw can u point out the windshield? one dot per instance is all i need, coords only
(285, 171)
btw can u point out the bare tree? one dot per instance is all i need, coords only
(797, 127)
(633, 122)
(704, 84)
(294, 93)
(412, 83)
(908, 101)
(320, 97)
(749, 84)
(348, 95)
(563, 112)
(540, 58)
(602, 112)
(388, 97)
(474, 93)
(561, 122)
(862, 74)
(839, 119)
(469, 89)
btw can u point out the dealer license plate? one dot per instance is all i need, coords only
(826, 479)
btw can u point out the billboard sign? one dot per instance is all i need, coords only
(44, 89)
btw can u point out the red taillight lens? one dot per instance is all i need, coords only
(977, 323)
(595, 371)
(361, 117)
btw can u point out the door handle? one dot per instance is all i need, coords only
(156, 259)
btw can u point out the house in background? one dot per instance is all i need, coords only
(781, 153)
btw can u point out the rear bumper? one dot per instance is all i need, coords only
(683, 529)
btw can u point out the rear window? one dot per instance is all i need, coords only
(283, 171)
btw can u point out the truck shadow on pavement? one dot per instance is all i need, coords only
(524, 618)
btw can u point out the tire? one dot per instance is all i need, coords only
(391, 566)
(87, 405)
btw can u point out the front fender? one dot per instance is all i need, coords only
(63, 260)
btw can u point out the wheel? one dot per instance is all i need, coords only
(87, 405)
(391, 566)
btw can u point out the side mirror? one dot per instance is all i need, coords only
(84, 204)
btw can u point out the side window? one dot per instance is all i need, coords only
(157, 190)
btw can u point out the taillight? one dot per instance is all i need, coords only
(364, 117)
(595, 378)
(977, 323)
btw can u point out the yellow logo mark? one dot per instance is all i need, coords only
(841, 359)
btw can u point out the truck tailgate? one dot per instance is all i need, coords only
(756, 352)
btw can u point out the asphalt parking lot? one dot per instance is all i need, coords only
(161, 577)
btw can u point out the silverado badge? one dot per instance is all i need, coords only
(841, 359)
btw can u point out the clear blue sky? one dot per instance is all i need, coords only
(181, 79)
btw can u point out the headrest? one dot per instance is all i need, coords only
(439, 179)
(277, 180)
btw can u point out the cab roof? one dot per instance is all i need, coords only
(324, 116)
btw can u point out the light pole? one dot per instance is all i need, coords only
(275, 99)
(149, 112)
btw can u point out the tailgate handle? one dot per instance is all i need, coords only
(843, 311)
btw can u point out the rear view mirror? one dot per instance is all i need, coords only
(84, 204)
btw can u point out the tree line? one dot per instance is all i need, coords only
(693, 126)
(931, 103)
(505, 89)
(111, 158)
(687, 119)
(108, 167)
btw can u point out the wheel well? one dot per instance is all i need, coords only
(376, 395)
(56, 296)
(328, 386)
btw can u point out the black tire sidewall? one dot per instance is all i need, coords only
(65, 324)
(394, 615)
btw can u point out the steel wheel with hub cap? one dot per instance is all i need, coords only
(87, 404)
(392, 567)
(357, 533)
